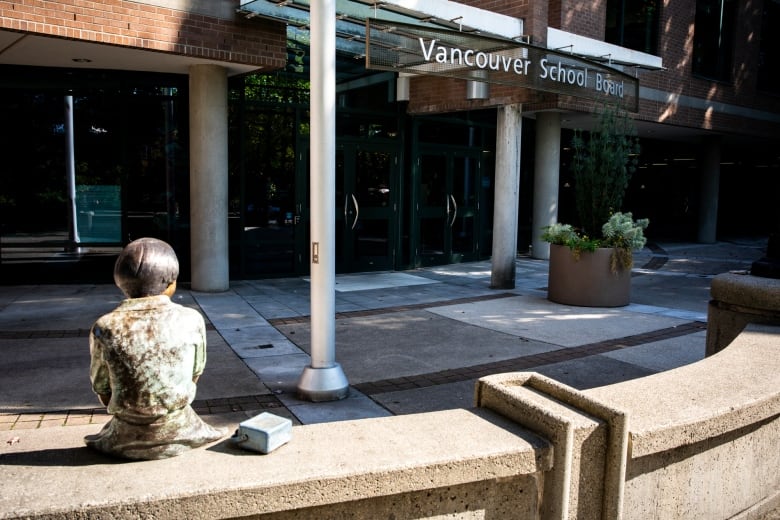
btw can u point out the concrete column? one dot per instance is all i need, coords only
(546, 174)
(710, 186)
(505, 211)
(209, 178)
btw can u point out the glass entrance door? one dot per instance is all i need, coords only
(448, 207)
(367, 182)
(365, 208)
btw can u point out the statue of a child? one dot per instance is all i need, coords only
(147, 355)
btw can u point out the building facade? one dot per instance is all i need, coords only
(189, 121)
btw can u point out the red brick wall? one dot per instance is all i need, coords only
(674, 84)
(130, 24)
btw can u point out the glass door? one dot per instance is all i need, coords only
(367, 181)
(448, 203)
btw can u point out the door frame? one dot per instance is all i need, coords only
(417, 213)
(347, 263)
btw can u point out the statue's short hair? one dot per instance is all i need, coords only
(146, 267)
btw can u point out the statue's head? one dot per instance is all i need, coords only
(146, 267)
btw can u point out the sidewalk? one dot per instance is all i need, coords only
(408, 342)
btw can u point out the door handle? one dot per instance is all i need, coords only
(357, 210)
(455, 211)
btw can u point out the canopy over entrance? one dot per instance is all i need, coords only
(351, 16)
(445, 38)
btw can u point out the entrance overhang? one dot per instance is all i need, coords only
(430, 51)
(351, 15)
(445, 38)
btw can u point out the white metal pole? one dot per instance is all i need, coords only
(70, 176)
(324, 379)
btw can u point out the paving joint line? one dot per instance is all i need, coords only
(455, 375)
(398, 308)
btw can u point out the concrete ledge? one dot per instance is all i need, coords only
(739, 299)
(50, 474)
(737, 387)
(703, 437)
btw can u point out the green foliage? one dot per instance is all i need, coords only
(602, 165)
(620, 232)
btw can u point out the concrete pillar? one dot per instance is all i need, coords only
(209, 178)
(546, 174)
(507, 194)
(710, 186)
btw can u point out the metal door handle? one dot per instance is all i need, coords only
(357, 210)
(455, 212)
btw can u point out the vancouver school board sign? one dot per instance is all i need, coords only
(416, 50)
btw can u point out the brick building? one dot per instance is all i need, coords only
(190, 122)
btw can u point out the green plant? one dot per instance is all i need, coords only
(602, 166)
(620, 232)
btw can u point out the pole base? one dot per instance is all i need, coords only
(323, 384)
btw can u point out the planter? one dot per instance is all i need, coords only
(587, 281)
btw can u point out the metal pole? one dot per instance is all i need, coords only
(70, 176)
(324, 379)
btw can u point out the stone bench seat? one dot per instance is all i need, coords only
(738, 386)
(50, 474)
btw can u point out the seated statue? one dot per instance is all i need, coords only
(147, 355)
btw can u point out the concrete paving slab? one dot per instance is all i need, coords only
(355, 406)
(664, 355)
(279, 373)
(59, 307)
(262, 340)
(228, 310)
(672, 290)
(226, 375)
(45, 374)
(430, 399)
(542, 320)
(399, 344)
(362, 282)
(597, 371)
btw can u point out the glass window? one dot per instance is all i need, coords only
(713, 38)
(633, 24)
(769, 57)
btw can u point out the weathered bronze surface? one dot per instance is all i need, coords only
(146, 357)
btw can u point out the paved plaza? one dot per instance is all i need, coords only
(408, 342)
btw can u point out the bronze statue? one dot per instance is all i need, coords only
(147, 355)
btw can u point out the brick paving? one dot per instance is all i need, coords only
(33, 420)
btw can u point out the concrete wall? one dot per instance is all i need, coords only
(699, 441)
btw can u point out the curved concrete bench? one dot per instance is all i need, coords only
(705, 438)
(440, 463)
(739, 299)
(697, 442)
